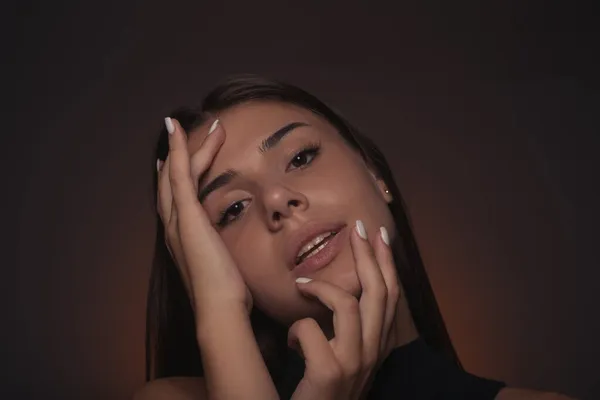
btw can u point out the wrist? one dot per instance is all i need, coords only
(229, 349)
(215, 320)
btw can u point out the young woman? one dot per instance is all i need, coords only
(285, 265)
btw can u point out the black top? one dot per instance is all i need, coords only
(411, 372)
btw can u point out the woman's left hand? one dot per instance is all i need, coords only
(364, 330)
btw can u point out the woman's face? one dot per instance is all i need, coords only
(309, 182)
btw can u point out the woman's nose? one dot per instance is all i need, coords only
(282, 202)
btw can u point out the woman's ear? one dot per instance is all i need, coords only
(384, 191)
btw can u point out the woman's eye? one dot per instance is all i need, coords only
(300, 160)
(231, 213)
(304, 157)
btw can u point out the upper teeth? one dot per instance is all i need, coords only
(308, 247)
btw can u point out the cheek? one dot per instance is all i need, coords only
(339, 181)
(347, 175)
(259, 266)
(273, 289)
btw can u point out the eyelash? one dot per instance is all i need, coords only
(313, 149)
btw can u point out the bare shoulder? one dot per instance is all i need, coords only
(526, 394)
(175, 388)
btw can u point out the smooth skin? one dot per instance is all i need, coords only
(359, 291)
(336, 368)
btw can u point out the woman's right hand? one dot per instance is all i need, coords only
(220, 297)
(208, 271)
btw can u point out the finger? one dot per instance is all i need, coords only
(346, 319)
(385, 259)
(203, 158)
(176, 187)
(374, 293)
(174, 246)
(167, 210)
(168, 215)
(182, 187)
(200, 162)
(164, 187)
(165, 196)
(320, 359)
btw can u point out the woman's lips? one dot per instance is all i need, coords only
(323, 257)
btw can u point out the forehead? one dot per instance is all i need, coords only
(247, 124)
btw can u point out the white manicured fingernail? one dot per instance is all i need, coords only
(303, 280)
(384, 235)
(213, 126)
(360, 228)
(159, 164)
(169, 125)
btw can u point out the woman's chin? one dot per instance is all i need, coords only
(348, 282)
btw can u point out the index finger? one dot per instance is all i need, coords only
(199, 163)
(204, 156)
(186, 169)
(346, 316)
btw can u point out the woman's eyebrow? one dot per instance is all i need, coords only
(276, 137)
(266, 145)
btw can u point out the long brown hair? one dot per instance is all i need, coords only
(171, 346)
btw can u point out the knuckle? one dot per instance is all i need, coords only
(368, 363)
(303, 325)
(200, 162)
(380, 293)
(176, 176)
(331, 373)
(350, 305)
(353, 368)
(176, 180)
(394, 293)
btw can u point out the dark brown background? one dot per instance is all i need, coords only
(489, 117)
